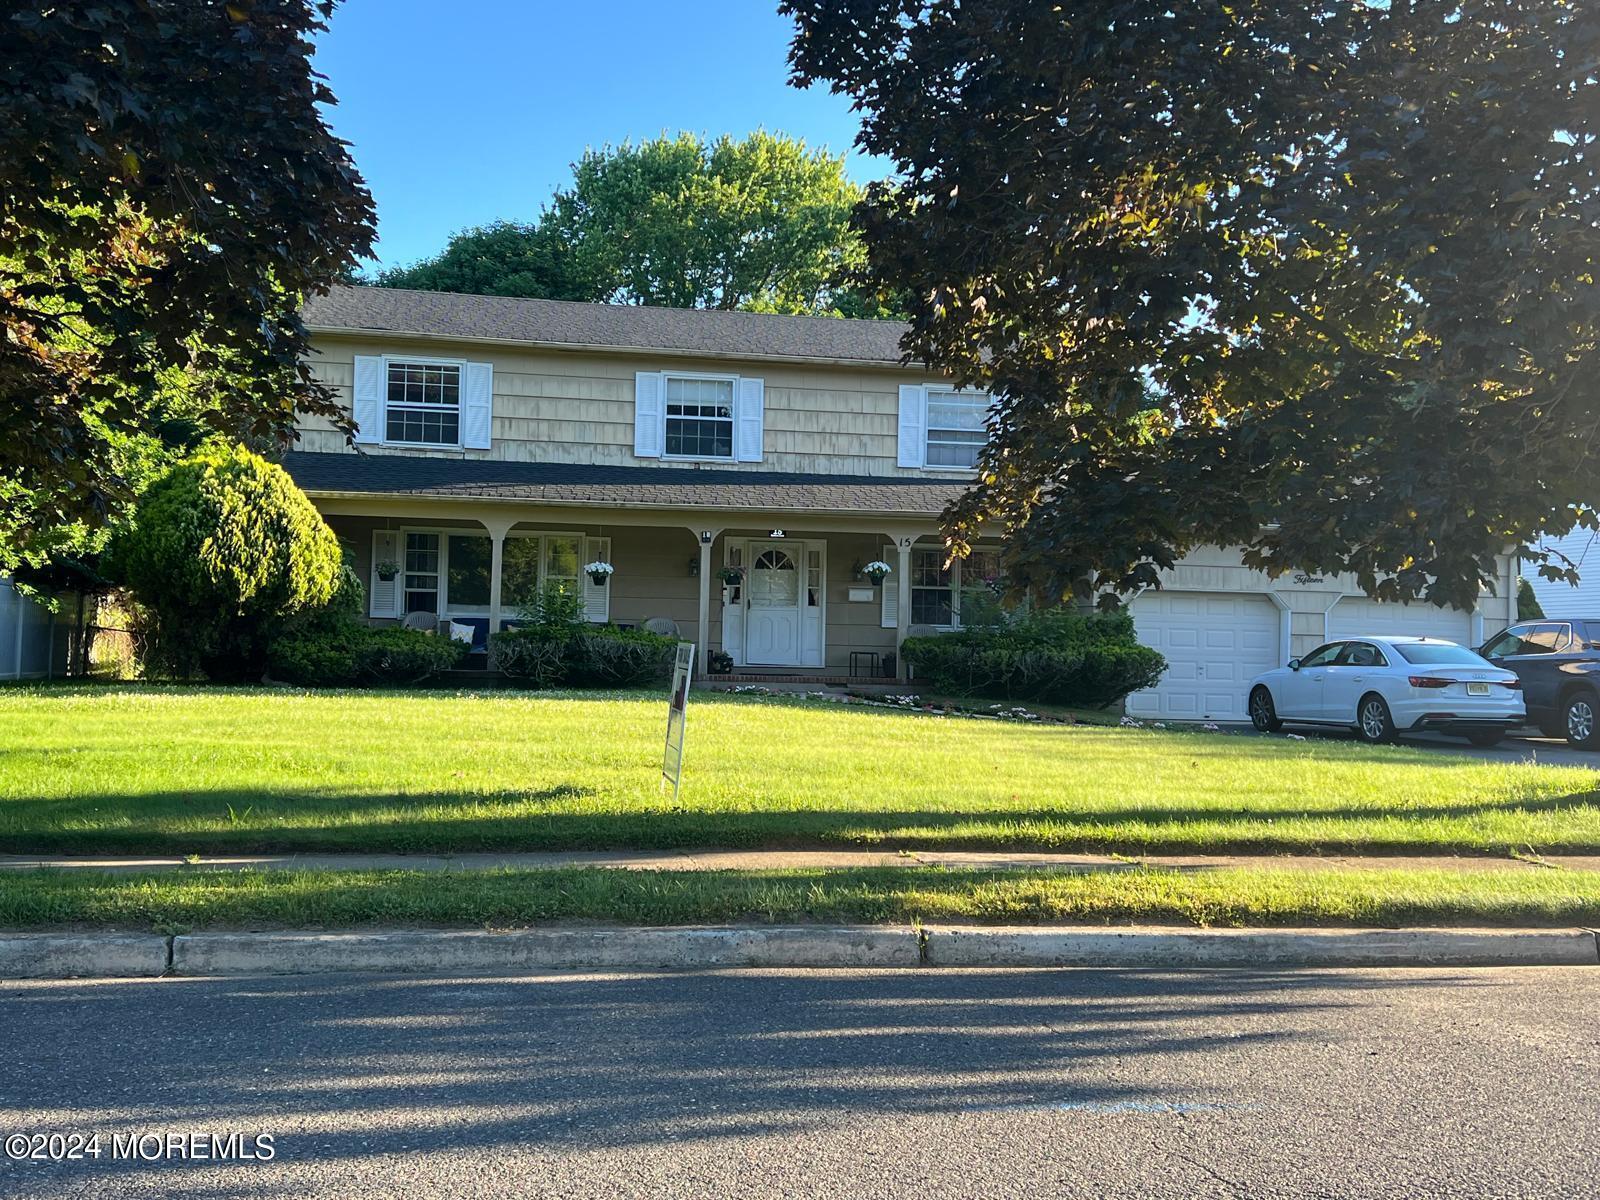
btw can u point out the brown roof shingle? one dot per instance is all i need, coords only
(622, 487)
(608, 326)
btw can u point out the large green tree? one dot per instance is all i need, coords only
(1313, 279)
(171, 192)
(758, 223)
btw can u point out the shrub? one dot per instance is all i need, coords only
(354, 655)
(222, 550)
(1061, 656)
(597, 656)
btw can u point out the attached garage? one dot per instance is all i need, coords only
(1354, 616)
(1214, 643)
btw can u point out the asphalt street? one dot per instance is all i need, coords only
(911, 1083)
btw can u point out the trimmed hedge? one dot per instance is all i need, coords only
(355, 655)
(1063, 656)
(549, 656)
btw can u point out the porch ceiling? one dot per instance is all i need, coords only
(616, 487)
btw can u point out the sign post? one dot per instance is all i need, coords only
(677, 713)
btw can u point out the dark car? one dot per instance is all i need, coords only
(1559, 665)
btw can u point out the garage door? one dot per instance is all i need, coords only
(1214, 642)
(1354, 616)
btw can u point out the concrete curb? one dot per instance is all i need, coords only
(987, 946)
(67, 955)
(437, 952)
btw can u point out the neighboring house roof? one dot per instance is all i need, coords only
(616, 487)
(622, 327)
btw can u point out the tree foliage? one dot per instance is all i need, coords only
(222, 550)
(1314, 280)
(171, 193)
(760, 223)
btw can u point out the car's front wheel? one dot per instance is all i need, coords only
(1581, 717)
(1373, 722)
(1263, 715)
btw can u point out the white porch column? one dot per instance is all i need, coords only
(702, 653)
(902, 576)
(497, 541)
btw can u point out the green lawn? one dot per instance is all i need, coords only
(177, 902)
(181, 770)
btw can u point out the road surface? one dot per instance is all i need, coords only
(913, 1083)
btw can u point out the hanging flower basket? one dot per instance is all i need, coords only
(877, 571)
(387, 570)
(731, 576)
(599, 573)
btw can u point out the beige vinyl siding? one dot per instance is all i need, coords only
(577, 407)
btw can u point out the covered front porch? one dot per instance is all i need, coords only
(763, 595)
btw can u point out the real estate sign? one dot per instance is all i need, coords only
(677, 713)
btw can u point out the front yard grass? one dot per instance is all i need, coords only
(177, 902)
(187, 770)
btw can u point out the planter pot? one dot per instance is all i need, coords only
(388, 576)
(876, 580)
(599, 579)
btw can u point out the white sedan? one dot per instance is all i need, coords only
(1380, 686)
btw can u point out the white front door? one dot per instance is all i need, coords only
(773, 591)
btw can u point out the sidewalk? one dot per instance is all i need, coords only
(777, 860)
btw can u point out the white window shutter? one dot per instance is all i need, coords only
(749, 420)
(597, 596)
(891, 592)
(383, 595)
(649, 414)
(913, 425)
(366, 399)
(477, 405)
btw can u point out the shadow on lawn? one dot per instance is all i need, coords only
(562, 1062)
(181, 822)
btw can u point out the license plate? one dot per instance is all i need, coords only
(1477, 689)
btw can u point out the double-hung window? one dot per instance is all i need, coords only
(699, 416)
(422, 572)
(532, 560)
(936, 588)
(956, 427)
(423, 403)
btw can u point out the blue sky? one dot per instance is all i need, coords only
(461, 113)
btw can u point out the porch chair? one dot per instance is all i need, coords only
(665, 626)
(423, 622)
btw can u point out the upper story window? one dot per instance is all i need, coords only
(415, 400)
(940, 427)
(423, 404)
(699, 417)
(955, 430)
(692, 415)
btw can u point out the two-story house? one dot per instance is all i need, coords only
(505, 443)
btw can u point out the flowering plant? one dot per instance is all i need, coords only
(387, 569)
(876, 570)
(731, 575)
(598, 572)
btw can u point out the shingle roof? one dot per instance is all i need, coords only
(622, 487)
(613, 326)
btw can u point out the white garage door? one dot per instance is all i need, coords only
(1214, 642)
(1354, 616)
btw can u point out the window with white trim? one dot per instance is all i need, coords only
(957, 427)
(936, 588)
(531, 560)
(422, 403)
(422, 572)
(699, 416)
